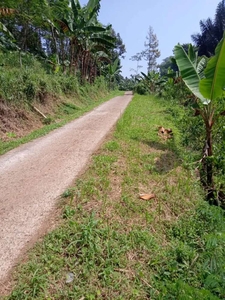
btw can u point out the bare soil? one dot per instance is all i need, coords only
(34, 175)
(18, 120)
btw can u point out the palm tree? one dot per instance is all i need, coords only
(219, 21)
(206, 41)
(211, 32)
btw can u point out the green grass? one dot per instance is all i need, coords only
(112, 245)
(67, 112)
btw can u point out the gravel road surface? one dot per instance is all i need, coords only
(34, 175)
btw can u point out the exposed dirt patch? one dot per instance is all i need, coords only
(15, 121)
(18, 120)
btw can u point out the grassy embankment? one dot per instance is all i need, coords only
(112, 245)
(26, 84)
(66, 112)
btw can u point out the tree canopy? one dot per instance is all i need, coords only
(211, 32)
(63, 32)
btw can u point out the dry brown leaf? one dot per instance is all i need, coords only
(161, 130)
(166, 133)
(147, 196)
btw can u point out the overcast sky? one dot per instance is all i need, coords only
(173, 22)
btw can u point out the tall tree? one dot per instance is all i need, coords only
(151, 52)
(120, 48)
(211, 32)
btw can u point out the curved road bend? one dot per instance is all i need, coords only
(33, 175)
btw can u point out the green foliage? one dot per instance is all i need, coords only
(211, 32)
(187, 65)
(209, 84)
(65, 35)
(112, 72)
(196, 255)
(212, 86)
(126, 84)
(112, 146)
(175, 89)
(141, 89)
(31, 82)
(167, 63)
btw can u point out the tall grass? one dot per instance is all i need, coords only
(25, 79)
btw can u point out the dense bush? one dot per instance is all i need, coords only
(25, 79)
(141, 89)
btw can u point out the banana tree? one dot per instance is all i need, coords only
(92, 56)
(112, 71)
(99, 58)
(153, 81)
(84, 33)
(207, 84)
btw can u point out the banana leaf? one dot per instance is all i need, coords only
(188, 71)
(201, 66)
(5, 30)
(213, 85)
(193, 55)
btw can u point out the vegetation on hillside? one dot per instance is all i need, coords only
(52, 54)
(66, 36)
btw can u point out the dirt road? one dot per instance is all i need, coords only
(35, 174)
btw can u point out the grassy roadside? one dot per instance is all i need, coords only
(113, 245)
(67, 113)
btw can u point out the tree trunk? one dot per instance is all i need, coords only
(207, 163)
(62, 54)
(54, 40)
(24, 36)
(71, 55)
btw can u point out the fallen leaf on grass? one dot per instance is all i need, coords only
(166, 133)
(147, 196)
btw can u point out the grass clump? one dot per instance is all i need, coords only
(113, 245)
